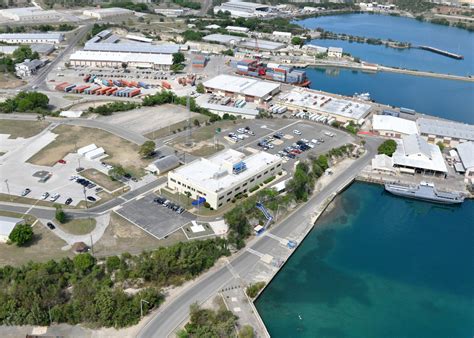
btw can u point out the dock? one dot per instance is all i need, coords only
(442, 52)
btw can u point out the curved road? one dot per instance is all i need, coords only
(168, 318)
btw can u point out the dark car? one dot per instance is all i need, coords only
(180, 210)
(68, 201)
(51, 225)
(90, 198)
(127, 176)
(277, 136)
(134, 179)
(79, 169)
(247, 128)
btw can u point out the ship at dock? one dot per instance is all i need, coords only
(271, 71)
(425, 192)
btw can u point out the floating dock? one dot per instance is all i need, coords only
(442, 52)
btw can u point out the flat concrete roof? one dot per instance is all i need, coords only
(396, 124)
(311, 99)
(222, 38)
(242, 85)
(132, 48)
(466, 154)
(157, 59)
(446, 128)
(42, 36)
(262, 44)
(211, 175)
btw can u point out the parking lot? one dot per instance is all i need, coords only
(274, 136)
(154, 218)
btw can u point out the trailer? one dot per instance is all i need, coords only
(331, 120)
(69, 88)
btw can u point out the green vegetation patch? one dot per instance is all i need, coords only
(387, 148)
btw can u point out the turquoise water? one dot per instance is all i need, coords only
(378, 266)
(439, 97)
(452, 39)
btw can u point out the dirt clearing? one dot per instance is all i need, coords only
(23, 129)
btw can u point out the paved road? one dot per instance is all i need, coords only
(168, 318)
(48, 212)
(113, 129)
(39, 80)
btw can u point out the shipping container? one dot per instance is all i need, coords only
(165, 84)
(143, 85)
(87, 77)
(105, 82)
(69, 88)
(61, 86)
(134, 92)
(407, 111)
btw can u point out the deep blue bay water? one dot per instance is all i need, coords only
(378, 266)
(439, 97)
(448, 99)
(403, 29)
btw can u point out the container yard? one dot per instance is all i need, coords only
(271, 71)
(98, 89)
(200, 61)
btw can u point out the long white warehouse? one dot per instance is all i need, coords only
(132, 60)
(223, 176)
(53, 38)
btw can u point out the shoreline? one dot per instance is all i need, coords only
(375, 68)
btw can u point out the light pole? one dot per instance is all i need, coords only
(141, 306)
(8, 189)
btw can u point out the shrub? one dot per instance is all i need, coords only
(21, 234)
(253, 289)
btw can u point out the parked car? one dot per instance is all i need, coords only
(296, 132)
(51, 225)
(62, 161)
(98, 189)
(25, 192)
(45, 195)
(54, 197)
(68, 201)
(91, 198)
(79, 169)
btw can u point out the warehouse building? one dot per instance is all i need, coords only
(222, 39)
(261, 45)
(163, 165)
(335, 52)
(142, 48)
(320, 106)
(28, 67)
(29, 14)
(282, 35)
(243, 88)
(107, 13)
(27, 38)
(113, 60)
(241, 9)
(394, 127)
(237, 29)
(220, 178)
(415, 155)
(447, 132)
(466, 155)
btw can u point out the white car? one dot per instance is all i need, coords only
(314, 141)
(296, 132)
(45, 195)
(304, 140)
(54, 197)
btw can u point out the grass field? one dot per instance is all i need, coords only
(80, 226)
(123, 236)
(45, 246)
(70, 138)
(25, 129)
(101, 179)
(175, 127)
(24, 200)
(8, 81)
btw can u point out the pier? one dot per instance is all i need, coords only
(442, 52)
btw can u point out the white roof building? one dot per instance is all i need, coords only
(7, 224)
(53, 38)
(390, 126)
(320, 103)
(278, 34)
(102, 13)
(110, 59)
(384, 163)
(223, 176)
(335, 52)
(213, 26)
(243, 9)
(466, 155)
(163, 165)
(84, 150)
(95, 153)
(237, 29)
(251, 89)
(29, 14)
(415, 154)
(222, 38)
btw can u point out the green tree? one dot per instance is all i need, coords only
(84, 262)
(21, 234)
(200, 88)
(196, 123)
(178, 58)
(112, 263)
(246, 332)
(147, 149)
(297, 41)
(60, 214)
(24, 52)
(387, 148)
(441, 145)
(117, 173)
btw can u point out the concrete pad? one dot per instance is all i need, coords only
(267, 258)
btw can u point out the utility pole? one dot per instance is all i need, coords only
(8, 189)
(92, 243)
(141, 306)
